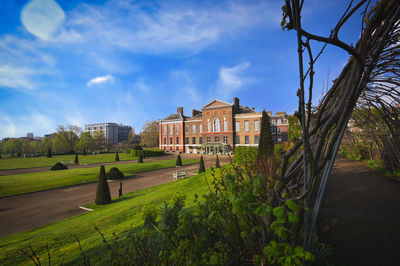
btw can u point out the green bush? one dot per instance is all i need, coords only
(114, 174)
(202, 169)
(140, 158)
(154, 152)
(103, 195)
(76, 161)
(149, 215)
(245, 156)
(178, 161)
(58, 166)
(116, 157)
(49, 153)
(84, 151)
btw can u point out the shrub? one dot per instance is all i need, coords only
(217, 165)
(76, 161)
(103, 195)
(140, 159)
(84, 151)
(245, 156)
(202, 169)
(149, 215)
(178, 160)
(49, 152)
(58, 166)
(114, 174)
(116, 157)
(266, 145)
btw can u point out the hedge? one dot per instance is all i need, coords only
(245, 155)
(147, 152)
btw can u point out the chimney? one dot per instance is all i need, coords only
(236, 102)
(194, 112)
(179, 110)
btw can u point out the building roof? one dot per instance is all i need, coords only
(176, 116)
(216, 103)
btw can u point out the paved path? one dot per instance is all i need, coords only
(361, 216)
(23, 212)
(167, 156)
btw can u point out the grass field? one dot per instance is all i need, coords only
(23, 183)
(119, 217)
(15, 162)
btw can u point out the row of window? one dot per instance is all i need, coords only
(279, 121)
(209, 139)
(246, 139)
(247, 125)
(276, 130)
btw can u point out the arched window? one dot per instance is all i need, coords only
(208, 125)
(216, 125)
(225, 125)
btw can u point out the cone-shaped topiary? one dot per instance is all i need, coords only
(202, 169)
(266, 145)
(103, 195)
(0, 155)
(84, 151)
(116, 157)
(217, 165)
(76, 159)
(179, 160)
(49, 153)
(140, 159)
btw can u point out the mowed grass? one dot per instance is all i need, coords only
(120, 217)
(30, 162)
(23, 183)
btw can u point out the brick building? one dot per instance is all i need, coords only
(218, 127)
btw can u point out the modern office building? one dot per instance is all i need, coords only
(114, 133)
(218, 128)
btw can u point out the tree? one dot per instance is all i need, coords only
(116, 157)
(294, 131)
(103, 195)
(68, 135)
(133, 138)
(217, 165)
(178, 160)
(86, 142)
(84, 151)
(99, 140)
(149, 134)
(202, 169)
(76, 161)
(49, 155)
(266, 145)
(140, 158)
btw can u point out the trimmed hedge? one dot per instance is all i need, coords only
(58, 166)
(245, 156)
(147, 152)
(114, 173)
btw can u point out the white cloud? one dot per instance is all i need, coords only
(18, 126)
(16, 77)
(42, 18)
(102, 79)
(231, 79)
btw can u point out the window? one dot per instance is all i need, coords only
(273, 121)
(170, 148)
(246, 139)
(279, 130)
(256, 139)
(201, 128)
(170, 140)
(246, 126)
(200, 140)
(193, 128)
(165, 129)
(225, 125)
(165, 141)
(274, 138)
(237, 126)
(208, 139)
(193, 140)
(208, 125)
(216, 125)
(216, 139)
(186, 129)
(170, 130)
(279, 138)
(237, 139)
(186, 140)
(273, 129)
(225, 140)
(279, 121)
(177, 140)
(284, 121)
(177, 129)
(165, 148)
(256, 125)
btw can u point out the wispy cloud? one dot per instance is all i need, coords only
(102, 79)
(231, 79)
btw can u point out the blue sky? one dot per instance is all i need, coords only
(79, 62)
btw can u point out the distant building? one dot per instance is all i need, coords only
(114, 133)
(29, 135)
(218, 128)
(50, 136)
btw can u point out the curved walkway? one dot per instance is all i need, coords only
(23, 212)
(361, 215)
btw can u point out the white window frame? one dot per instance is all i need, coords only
(237, 126)
(273, 129)
(193, 128)
(165, 129)
(256, 125)
(225, 125)
(216, 125)
(247, 125)
(171, 129)
(201, 128)
(208, 125)
(279, 130)
(279, 121)
(177, 129)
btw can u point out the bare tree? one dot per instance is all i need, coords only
(149, 134)
(69, 135)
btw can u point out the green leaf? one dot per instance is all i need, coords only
(279, 211)
(298, 251)
(292, 205)
(293, 217)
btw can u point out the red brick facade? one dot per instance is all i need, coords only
(218, 128)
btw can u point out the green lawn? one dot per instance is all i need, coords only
(119, 217)
(23, 183)
(15, 162)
